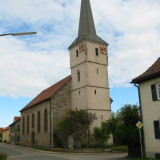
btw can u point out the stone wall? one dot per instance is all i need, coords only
(34, 137)
(5, 136)
(15, 133)
(59, 103)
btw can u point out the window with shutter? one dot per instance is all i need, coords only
(156, 129)
(154, 92)
(158, 90)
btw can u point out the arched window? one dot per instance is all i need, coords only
(38, 122)
(23, 125)
(27, 124)
(32, 120)
(78, 75)
(45, 121)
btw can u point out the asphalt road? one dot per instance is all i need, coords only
(22, 153)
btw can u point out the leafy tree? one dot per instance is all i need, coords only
(75, 123)
(101, 134)
(123, 125)
(130, 116)
(112, 125)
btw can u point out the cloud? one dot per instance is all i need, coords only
(32, 63)
(25, 73)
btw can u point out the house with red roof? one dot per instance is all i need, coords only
(148, 85)
(87, 87)
(15, 131)
(1, 134)
(6, 135)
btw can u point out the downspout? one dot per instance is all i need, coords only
(139, 96)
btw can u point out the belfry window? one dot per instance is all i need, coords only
(78, 76)
(96, 50)
(95, 92)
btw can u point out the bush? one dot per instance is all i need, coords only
(3, 156)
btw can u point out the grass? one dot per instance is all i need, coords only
(120, 148)
(3, 156)
(116, 148)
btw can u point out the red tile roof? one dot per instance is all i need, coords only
(48, 93)
(1, 129)
(16, 119)
(152, 72)
(5, 129)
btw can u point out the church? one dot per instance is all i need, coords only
(86, 88)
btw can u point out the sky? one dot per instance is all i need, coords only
(30, 64)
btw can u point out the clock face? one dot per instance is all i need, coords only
(103, 50)
(81, 48)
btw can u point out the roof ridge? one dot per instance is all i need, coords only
(152, 72)
(47, 93)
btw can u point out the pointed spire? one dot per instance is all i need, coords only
(86, 23)
(87, 31)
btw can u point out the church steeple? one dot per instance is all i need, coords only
(87, 31)
(86, 23)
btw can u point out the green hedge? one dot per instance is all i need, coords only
(3, 156)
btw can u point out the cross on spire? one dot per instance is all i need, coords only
(87, 31)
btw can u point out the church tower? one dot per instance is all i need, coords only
(89, 69)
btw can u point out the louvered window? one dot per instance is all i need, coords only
(158, 91)
(155, 88)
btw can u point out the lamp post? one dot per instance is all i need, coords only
(19, 34)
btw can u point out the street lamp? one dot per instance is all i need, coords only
(18, 34)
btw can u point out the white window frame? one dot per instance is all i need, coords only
(158, 90)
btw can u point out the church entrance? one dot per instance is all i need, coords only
(33, 138)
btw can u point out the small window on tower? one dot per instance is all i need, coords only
(96, 51)
(79, 92)
(97, 71)
(77, 53)
(95, 92)
(78, 75)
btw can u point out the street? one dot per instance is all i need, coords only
(23, 153)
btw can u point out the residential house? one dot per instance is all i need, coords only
(6, 135)
(148, 84)
(1, 134)
(15, 131)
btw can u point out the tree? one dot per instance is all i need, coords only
(130, 116)
(112, 126)
(75, 123)
(101, 134)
